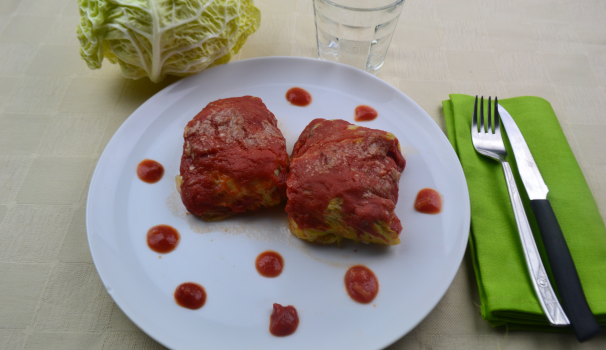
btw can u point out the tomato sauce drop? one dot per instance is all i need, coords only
(283, 321)
(298, 97)
(163, 238)
(150, 171)
(361, 284)
(190, 295)
(365, 113)
(428, 201)
(269, 264)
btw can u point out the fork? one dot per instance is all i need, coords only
(490, 144)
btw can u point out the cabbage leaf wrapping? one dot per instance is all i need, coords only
(158, 37)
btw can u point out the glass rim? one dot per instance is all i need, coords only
(393, 4)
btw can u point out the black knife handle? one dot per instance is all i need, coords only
(565, 274)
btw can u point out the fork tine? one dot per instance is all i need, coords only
(482, 114)
(488, 122)
(497, 129)
(474, 120)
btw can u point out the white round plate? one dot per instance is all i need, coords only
(413, 276)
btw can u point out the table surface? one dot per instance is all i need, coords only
(56, 116)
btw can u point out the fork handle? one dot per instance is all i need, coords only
(540, 281)
(565, 274)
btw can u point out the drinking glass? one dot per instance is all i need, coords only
(356, 32)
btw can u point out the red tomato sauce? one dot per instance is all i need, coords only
(163, 238)
(322, 143)
(190, 295)
(361, 284)
(283, 321)
(365, 113)
(150, 171)
(428, 201)
(215, 154)
(269, 264)
(298, 97)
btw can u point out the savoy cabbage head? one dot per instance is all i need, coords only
(158, 37)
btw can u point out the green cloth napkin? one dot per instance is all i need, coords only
(504, 284)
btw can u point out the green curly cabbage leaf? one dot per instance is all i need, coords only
(158, 37)
(338, 228)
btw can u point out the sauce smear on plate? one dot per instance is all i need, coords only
(298, 97)
(365, 113)
(361, 284)
(163, 238)
(269, 264)
(190, 295)
(150, 171)
(428, 201)
(283, 321)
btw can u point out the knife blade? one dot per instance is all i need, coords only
(565, 274)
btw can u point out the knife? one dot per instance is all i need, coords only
(565, 274)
